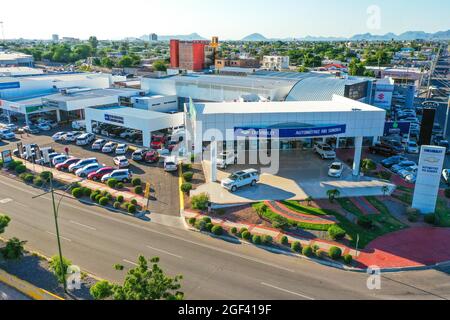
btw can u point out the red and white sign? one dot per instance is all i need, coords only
(383, 99)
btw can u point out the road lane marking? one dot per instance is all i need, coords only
(54, 234)
(287, 291)
(22, 205)
(130, 262)
(163, 251)
(82, 225)
(5, 201)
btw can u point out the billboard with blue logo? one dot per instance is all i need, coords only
(305, 132)
(9, 85)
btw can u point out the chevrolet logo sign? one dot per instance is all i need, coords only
(432, 160)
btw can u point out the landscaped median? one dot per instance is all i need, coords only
(109, 196)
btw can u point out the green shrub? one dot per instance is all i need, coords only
(119, 185)
(1, 163)
(187, 167)
(112, 183)
(98, 197)
(87, 192)
(46, 175)
(246, 235)
(200, 225)
(447, 193)
(384, 175)
(284, 241)
(20, 169)
(192, 221)
(413, 214)
(77, 193)
(13, 165)
(116, 205)
(27, 177)
(348, 259)
(136, 182)
(125, 205)
(365, 222)
(430, 219)
(93, 196)
(307, 251)
(138, 190)
(134, 201)
(103, 201)
(234, 230)
(186, 187)
(187, 176)
(267, 240)
(38, 181)
(257, 240)
(209, 226)
(335, 253)
(296, 247)
(217, 230)
(200, 202)
(132, 209)
(207, 219)
(336, 233)
(120, 198)
(13, 249)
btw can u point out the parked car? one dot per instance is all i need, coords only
(411, 178)
(240, 179)
(128, 133)
(98, 144)
(122, 175)
(151, 157)
(172, 145)
(407, 171)
(225, 159)
(12, 127)
(58, 136)
(396, 145)
(158, 142)
(7, 134)
(383, 149)
(403, 165)
(336, 169)
(79, 125)
(392, 161)
(51, 156)
(59, 159)
(86, 170)
(412, 147)
(446, 176)
(121, 162)
(139, 154)
(109, 147)
(44, 126)
(85, 139)
(170, 164)
(81, 164)
(71, 136)
(66, 164)
(32, 129)
(445, 144)
(121, 149)
(325, 151)
(98, 175)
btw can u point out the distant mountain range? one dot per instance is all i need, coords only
(406, 36)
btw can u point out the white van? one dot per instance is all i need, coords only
(79, 125)
(85, 139)
(170, 164)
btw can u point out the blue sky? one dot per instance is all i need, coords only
(229, 19)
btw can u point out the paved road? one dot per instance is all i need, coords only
(97, 239)
(8, 293)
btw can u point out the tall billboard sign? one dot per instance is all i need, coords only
(383, 99)
(428, 178)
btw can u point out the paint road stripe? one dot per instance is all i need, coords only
(163, 251)
(82, 225)
(54, 234)
(287, 291)
(130, 262)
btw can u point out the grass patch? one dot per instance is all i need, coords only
(297, 207)
(443, 213)
(404, 189)
(349, 206)
(406, 198)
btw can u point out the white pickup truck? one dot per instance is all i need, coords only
(225, 159)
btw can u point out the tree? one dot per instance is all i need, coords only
(14, 249)
(356, 67)
(309, 200)
(4, 221)
(59, 270)
(368, 165)
(93, 41)
(142, 283)
(159, 66)
(125, 62)
(107, 62)
(333, 194)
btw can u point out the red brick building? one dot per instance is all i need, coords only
(189, 55)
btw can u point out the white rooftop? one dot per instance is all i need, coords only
(12, 71)
(338, 104)
(134, 113)
(14, 55)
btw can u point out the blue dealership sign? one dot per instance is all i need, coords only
(397, 128)
(305, 132)
(9, 85)
(113, 118)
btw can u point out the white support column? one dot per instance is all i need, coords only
(375, 140)
(58, 116)
(146, 138)
(27, 120)
(358, 153)
(88, 126)
(213, 160)
(338, 140)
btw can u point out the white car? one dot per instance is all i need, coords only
(109, 147)
(325, 151)
(85, 171)
(85, 139)
(121, 162)
(121, 149)
(446, 176)
(7, 134)
(79, 125)
(81, 164)
(225, 159)
(241, 179)
(59, 159)
(407, 171)
(128, 133)
(170, 164)
(71, 136)
(44, 126)
(412, 147)
(98, 144)
(58, 136)
(336, 169)
(411, 178)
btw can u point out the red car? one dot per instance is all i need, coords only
(66, 164)
(151, 157)
(172, 145)
(158, 142)
(98, 175)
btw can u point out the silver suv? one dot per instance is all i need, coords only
(123, 175)
(325, 151)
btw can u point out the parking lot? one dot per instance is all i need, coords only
(164, 185)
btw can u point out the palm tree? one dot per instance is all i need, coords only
(333, 194)
(309, 200)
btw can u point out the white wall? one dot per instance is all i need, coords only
(156, 103)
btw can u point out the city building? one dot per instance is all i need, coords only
(19, 71)
(237, 63)
(55, 38)
(403, 76)
(156, 103)
(191, 55)
(153, 37)
(275, 63)
(16, 59)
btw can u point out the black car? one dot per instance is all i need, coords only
(392, 161)
(383, 149)
(31, 129)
